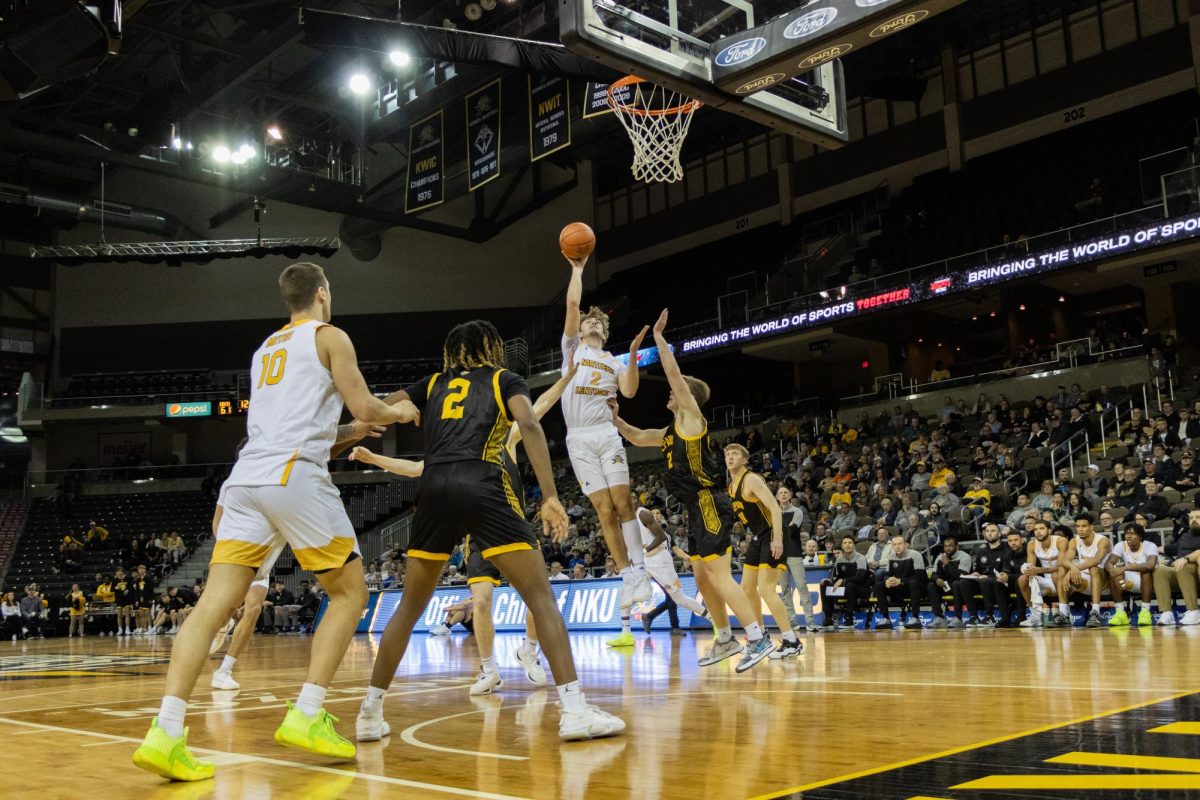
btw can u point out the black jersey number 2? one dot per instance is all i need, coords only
(452, 406)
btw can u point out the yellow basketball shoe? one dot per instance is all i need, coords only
(169, 757)
(314, 734)
(624, 639)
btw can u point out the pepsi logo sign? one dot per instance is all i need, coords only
(899, 23)
(829, 53)
(760, 83)
(741, 51)
(810, 23)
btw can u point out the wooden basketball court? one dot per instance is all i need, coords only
(1083, 713)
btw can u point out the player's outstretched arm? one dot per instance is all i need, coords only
(683, 394)
(554, 516)
(397, 466)
(354, 432)
(336, 351)
(574, 297)
(631, 378)
(646, 517)
(637, 437)
(547, 399)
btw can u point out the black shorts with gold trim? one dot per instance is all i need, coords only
(710, 520)
(758, 554)
(463, 497)
(479, 569)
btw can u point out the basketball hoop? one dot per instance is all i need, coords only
(657, 121)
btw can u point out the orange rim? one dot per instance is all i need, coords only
(630, 80)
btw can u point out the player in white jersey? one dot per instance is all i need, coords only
(594, 445)
(660, 563)
(241, 626)
(1131, 569)
(1087, 560)
(280, 490)
(1041, 575)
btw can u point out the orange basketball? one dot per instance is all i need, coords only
(577, 241)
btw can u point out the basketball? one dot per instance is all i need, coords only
(577, 241)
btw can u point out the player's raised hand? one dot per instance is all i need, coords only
(578, 263)
(407, 412)
(365, 430)
(661, 325)
(636, 345)
(572, 364)
(554, 520)
(362, 454)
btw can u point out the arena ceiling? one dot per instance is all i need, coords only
(205, 71)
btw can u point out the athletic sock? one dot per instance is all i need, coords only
(625, 624)
(312, 697)
(374, 699)
(790, 637)
(754, 632)
(571, 697)
(1096, 607)
(488, 665)
(1064, 609)
(626, 574)
(170, 715)
(631, 532)
(1142, 604)
(227, 665)
(724, 634)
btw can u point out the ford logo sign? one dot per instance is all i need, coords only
(741, 51)
(810, 23)
(870, 3)
(760, 83)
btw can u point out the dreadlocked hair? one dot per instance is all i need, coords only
(472, 345)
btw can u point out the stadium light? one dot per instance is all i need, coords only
(399, 58)
(360, 83)
(275, 133)
(221, 154)
(247, 151)
(177, 143)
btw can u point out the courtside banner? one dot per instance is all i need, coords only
(1130, 240)
(585, 605)
(425, 156)
(549, 122)
(483, 135)
(595, 99)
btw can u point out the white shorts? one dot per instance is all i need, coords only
(306, 513)
(661, 567)
(1043, 585)
(1134, 580)
(598, 458)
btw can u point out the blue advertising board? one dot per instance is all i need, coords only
(589, 605)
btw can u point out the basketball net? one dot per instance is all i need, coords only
(657, 121)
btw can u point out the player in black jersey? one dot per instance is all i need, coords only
(467, 412)
(756, 507)
(482, 574)
(696, 476)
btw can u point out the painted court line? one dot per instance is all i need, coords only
(965, 748)
(408, 735)
(224, 757)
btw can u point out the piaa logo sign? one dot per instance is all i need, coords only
(760, 83)
(810, 23)
(739, 52)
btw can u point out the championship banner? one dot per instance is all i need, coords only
(549, 122)
(425, 155)
(595, 99)
(483, 135)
